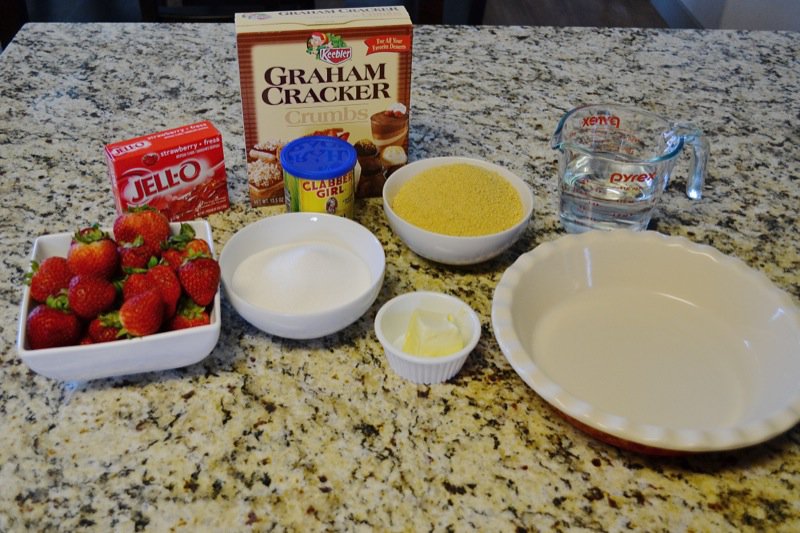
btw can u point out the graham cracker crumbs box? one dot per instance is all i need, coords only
(340, 72)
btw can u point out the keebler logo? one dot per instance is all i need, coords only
(329, 48)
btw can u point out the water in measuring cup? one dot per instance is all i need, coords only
(597, 195)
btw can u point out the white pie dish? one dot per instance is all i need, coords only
(160, 351)
(652, 343)
(448, 249)
(290, 275)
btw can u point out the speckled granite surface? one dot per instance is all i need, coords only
(269, 434)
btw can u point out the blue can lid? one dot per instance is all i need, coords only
(318, 157)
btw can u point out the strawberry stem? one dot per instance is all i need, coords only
(90, 234)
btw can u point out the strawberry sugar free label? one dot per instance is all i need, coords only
(180, 172)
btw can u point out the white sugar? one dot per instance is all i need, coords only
(301, 278)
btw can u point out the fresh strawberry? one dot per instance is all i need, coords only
(194, 247)
(199, 276)
(48, 278)
(92, 251)
(163, 278)
(145, 222)
(185, 234)
(133, 254)
(141, 315)
(179, 247)
(52, 324)
(89, 295)
(103, 329)
(197, 247)
(189, 315)
(173, 257)
(135, 283)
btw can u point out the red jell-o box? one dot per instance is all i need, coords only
(180, 172)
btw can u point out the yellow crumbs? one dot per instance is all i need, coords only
(461, 200)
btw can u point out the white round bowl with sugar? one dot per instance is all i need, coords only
(302, 275)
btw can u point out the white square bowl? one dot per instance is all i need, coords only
(160, 351)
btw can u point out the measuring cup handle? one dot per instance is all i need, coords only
(699, 159)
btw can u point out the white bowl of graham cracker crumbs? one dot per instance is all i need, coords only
(457, 210)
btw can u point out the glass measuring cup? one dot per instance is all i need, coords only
(616, 160)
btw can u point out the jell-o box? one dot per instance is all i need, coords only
(180, 172)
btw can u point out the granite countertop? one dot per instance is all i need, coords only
(270, 434)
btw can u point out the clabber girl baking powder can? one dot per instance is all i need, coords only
(318, 175)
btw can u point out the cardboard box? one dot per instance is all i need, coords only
(180, 172)
(341, 72)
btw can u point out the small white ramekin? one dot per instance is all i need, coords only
(392, 321)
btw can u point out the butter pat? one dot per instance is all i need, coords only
(432, 334)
